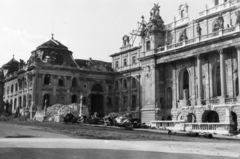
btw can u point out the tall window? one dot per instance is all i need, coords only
(16, 87)
(169, 97)
(116, 64)
(218, 76)
(124, 62)
(182, 14)
(125, 84)
(216, 2)
(60, 81)
(134, 83)
(148, 45)
(47, 79)
(12, 88)
(133, 59)
(74, 99)
(237, 87)
(46, 100)
(134, 102)
(74, 82)
(125, 103)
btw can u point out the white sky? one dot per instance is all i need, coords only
(89, 28)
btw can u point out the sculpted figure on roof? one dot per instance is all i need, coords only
(155, 10)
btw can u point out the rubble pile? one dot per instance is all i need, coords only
(57, 112)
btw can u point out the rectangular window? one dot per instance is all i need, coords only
(124, 62)
(133, 59)
(116, 64)
(216, 2)
(148, 46)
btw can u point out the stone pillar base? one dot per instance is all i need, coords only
(199, 102)
(222, 100)
(238, 99)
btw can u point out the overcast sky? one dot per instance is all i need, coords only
(89, 28)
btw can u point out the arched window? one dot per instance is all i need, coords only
(12, 88)
(15, 104)
(20, 102)
(16, 87)
(125, 84)
(116, 85)
(46, 100)
(134, 102)
(184, 84)
(47, 79)
(182, 13)
(169, 97)
(74, 82)
(125, 102)
(134, 85)
(24, 101)
(60, 81)
(74, 98)
(97, 88)
(29, 100)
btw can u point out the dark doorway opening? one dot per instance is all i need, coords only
(234, 118)
(97, 104)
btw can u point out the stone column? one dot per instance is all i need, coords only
(238, 63)
(223, 76)
(199, 65)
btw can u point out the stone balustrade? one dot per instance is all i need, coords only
(181, 125)
(165, 124)
(219, 128)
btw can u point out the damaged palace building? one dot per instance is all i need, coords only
(185, 70)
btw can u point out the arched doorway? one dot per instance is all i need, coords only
(169, 118)
(97, 101)
(234, 118)
(210, 117)
(191, 118)
(74, 98)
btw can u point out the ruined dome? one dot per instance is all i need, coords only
(11, 64)
(52, 43)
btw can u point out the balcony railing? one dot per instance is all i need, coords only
(220, 128)
(199, 39)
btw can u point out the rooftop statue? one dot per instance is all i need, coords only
(126, 40)
(199, 29)
(238, 17)
(155, 9)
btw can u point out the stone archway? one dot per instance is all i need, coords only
(97, 100)
(210, 116)
(191, 118)
(97, 104)
(235, 120)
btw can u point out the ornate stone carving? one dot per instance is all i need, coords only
(199, 29)
(169, 82)
(218, 23)
(237, 13)
(183, 35)
(126, 40)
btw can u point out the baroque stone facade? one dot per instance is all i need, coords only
(184, 70)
